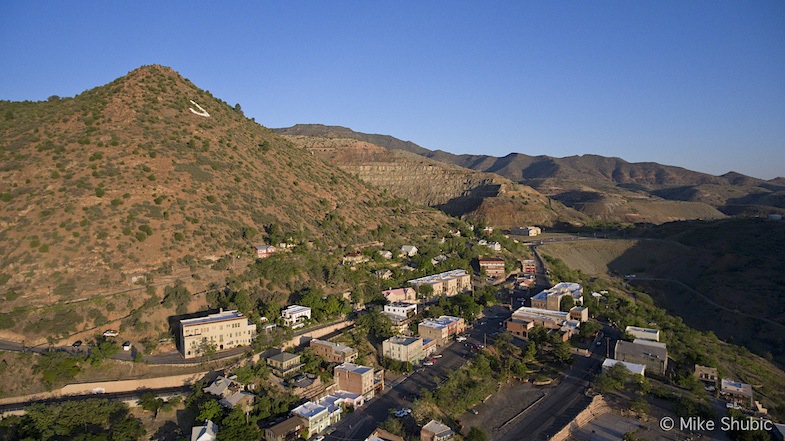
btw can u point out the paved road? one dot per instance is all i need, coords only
(361, 423)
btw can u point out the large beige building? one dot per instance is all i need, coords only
(333, 352)
(651, 354)
(551, 298)
(525, 319)
(403, 349)
(224, 330)
(441, 329)
(449, 283)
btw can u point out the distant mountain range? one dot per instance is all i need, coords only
(603, 188)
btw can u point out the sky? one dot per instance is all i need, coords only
(697, 84)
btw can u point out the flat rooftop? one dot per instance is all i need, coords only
(356, 368)
(635, 368)
(336, 346)
(294, 309)
(406, 341)
(309, 409)
(527, 312)
(441, 322)
(736, 387)
(641, 349)
(435, 278)
(213, 318)
(641, 330)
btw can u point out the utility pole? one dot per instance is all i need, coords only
(607, 347)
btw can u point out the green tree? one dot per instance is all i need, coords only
(477, 434)
(151, 403)
(210, 410)
(567, 302)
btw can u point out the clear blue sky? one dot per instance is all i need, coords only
(699, 84)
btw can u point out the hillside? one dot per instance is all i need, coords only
(457, 191)
(150, 178)
(724, 276)
(604, 189)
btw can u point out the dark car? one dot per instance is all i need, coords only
(77, 343)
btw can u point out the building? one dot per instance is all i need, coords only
(333, 352)
(294, 315)
(409, 250)
(526, 231)
(493, 266)
(284, 364)
(383, 435)
(264, 251)
(355, 258)
(651, 354)
(529, 266)
(635, 368)
(316, 416)
(386, 254)
(207, 432)
(495, 246)
(525, 319)
(224, 330)
(356, 379)
(400, 295)
(441, 329)
(739, 393)
(580, 313)
(436, 431)
(406, 349)
(775, 217)
(551, 298)
(707, 374)
(643, 333)
(289, 429)
(400, 310)
(449, 283)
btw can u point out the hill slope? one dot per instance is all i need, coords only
(608, 189)
(149, 175)
(455, 190)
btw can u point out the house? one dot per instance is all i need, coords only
(707, 374)
(525, 319)
(409, 250)
(406, 349)
(635, 368)
(384, 274)
(739, 393)
(264, 251)
(289, 429)
(295, 315)
(487, 230)
(438, 259)
(400, 295)
(333, 352)
(386, 254)
(449, 283)
(355, 378)
(643, 333)
(651, 354)
(441, 329)
(495, 246)
(355, 258)
(436, 431)
(284, 364)
(493, 266)
(207, 432)
(383, 435)
(551, 298)
(224, 330)
(223, 387)
(400, 310)
(529, 266)
(526, 231)
(242, 399)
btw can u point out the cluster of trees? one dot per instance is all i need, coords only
(92, 419)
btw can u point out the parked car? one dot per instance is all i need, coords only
(127, 346)
(460, 338)
(438, 356)
(111, 333)
(77, 343)
(427, 363)
(474, 411)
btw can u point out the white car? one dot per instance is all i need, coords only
(427, 363)
(460, 338)
(438, 356)
(111, 333)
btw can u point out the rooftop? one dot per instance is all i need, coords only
(436, 427)
(736, 387)
(283, 357)
(526, 312)
(436, 278)
(287, 426)
(309, 409)
(641, 348)
(337, 347)
(213, 318)
(294, 309)
(643, 341)
(400, 340)
(635, 368)
(441, 322)
(356, 368)
(641, 330)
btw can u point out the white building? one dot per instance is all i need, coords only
(400, 310)
(207, 432)
(643, 333)
(409, 250)
(635, 368)
(295, 314)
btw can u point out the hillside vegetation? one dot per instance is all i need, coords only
(724, 276)
(133, 183)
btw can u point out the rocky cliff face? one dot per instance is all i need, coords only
(452, 189)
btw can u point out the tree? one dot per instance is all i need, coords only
(562, 351)
(425, 291)
(477, 434)
(151, 403)
(210, 410)
(238, 108)
(567, 302)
